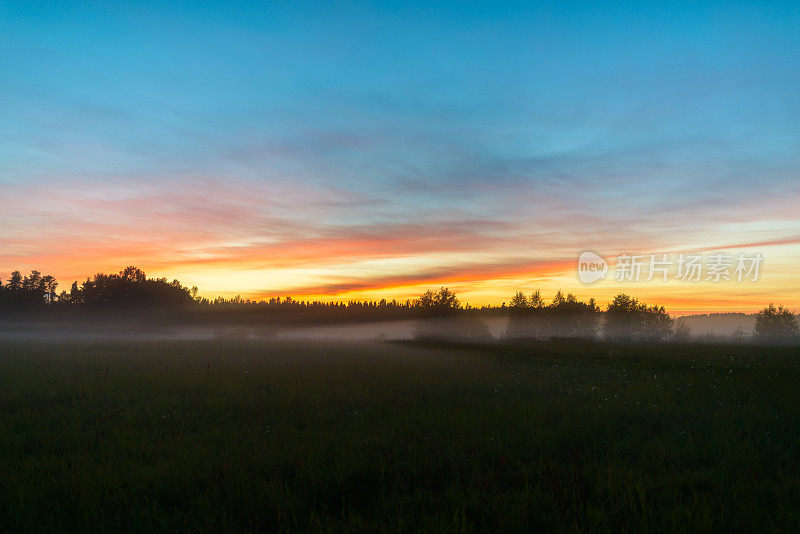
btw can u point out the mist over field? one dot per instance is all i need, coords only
(111, 330)
(717, 326)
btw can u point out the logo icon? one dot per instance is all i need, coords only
(591, 267)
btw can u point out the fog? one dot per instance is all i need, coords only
(703, 327)
(720, 324)
(126, 330)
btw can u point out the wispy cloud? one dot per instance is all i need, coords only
(388, 150)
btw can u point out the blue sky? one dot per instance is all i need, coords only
(656, 125)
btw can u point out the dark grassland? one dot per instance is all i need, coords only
(328, 436)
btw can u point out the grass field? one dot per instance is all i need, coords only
(377, 436)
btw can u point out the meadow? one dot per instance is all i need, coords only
(376, 436)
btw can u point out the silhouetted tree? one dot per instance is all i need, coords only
(776, 324)
(566, 316)
(130, 289)
(441, 319)
(15, 282)
(628, 320)
(133, 274)
(32, 282)
(519, 302)
(27, 293)
(438, 303)
(519, 317)
(49, 285)
(75, 294)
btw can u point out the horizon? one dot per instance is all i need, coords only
(357, 152)
(546, 299)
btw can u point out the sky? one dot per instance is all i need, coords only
(341, 150)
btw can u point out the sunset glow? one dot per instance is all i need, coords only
(291, 151)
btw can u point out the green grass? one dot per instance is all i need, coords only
(329, 436)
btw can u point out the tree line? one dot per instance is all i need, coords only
(626, 319)
(128, 289)
(29, 292)
(437, 312)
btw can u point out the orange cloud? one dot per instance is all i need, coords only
(345, 245)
